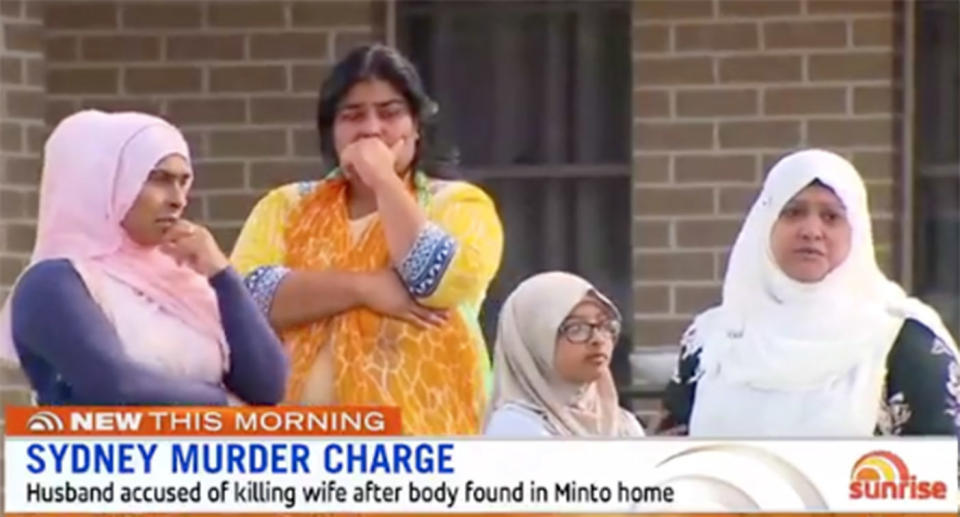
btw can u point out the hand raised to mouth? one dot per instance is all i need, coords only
(193, 245)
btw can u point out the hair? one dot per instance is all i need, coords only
(817, 183)
(379, 61)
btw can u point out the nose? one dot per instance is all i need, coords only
(811, 228)
(177, 197)
(599, 338)
(370, 126)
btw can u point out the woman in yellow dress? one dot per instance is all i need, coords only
(375, 275)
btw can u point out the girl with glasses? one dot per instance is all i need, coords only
(552, 363)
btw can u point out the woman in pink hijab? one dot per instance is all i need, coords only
(124, 301)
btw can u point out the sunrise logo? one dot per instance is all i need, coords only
(884, 475)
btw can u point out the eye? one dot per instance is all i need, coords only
(351, 115)
(576, 331)
(391, 112)
(832, 216)
(792, 212)
(158, 177)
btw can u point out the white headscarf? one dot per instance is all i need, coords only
(774, 333)
(523, 365)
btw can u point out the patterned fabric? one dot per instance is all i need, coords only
(953, 394)
(894, 414)
(922, 386)
(262, 282)
(427, 260)
(304, 188)
(438, 376)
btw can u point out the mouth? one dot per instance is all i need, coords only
(167, 222)
(809, 253)
(597, 358)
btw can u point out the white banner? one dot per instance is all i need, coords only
(406, 475)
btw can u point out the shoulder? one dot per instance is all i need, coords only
(46, 275)
(44, 286)
(464, 207)
(444, 191)
(273, 207)
(917, 339)
(916, 329)
(516, 421)
(708, 317)
(631, 424)
(694, 337)
(289, 194)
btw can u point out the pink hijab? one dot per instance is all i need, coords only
(95, 164)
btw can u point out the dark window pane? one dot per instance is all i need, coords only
(937, 152)
(535, 97)
(526, 82)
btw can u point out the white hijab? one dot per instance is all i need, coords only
(774, 333)
(524, 357)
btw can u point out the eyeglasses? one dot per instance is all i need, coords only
(582, 331)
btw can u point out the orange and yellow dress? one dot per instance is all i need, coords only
(439, 377)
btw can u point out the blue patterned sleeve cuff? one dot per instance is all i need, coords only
(262, 284)
(427, 260)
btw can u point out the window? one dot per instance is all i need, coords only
(937, 159)
(535, 97)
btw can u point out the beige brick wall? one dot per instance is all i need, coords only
(21, 131)
(721, 89)
(240, 77)
(21, 139)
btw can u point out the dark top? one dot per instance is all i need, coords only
(922, 395)
(73, 356)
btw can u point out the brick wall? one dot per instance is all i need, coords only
(21, 131)
(21, 139)
(721, 89)
(240, 77)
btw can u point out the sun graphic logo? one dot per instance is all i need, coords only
(884, 475)
(44, 422)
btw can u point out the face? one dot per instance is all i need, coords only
(161, 201)
(374, 109)
(585, 341)
(812, 235)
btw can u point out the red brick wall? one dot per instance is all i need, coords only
(721, 89)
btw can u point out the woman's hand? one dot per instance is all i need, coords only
(192, 245)
(384, 292)
(372, 161)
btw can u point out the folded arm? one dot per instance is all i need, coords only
(56, 320)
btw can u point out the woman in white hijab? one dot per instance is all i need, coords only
(552, 363)
(811, 340)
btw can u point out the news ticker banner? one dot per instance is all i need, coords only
(349, 460)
